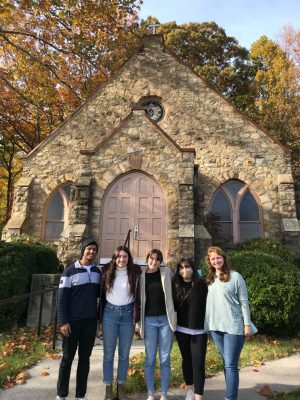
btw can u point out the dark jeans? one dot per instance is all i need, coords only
(193, 353)
(82, 335)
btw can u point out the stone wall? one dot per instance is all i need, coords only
(102, 135)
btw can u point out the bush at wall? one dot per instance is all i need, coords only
(274, 291)
(18, 261)
(268, 246)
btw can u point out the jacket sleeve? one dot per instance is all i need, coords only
(63, 298)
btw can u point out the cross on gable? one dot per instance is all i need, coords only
(153, 27)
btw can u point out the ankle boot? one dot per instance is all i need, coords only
(121, 392)
(108, 392)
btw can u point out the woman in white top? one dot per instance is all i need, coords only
(119, 311)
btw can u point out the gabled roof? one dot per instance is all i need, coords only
(148, 42)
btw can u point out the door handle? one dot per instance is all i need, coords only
(136, 232)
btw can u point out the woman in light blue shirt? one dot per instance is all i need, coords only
(227, 315)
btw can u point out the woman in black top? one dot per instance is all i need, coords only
(189, 294)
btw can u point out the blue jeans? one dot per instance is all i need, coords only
(230, 347)
(117, 326)
(158, 335)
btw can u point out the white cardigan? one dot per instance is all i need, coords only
(166, 280)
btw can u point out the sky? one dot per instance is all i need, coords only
(246, 20)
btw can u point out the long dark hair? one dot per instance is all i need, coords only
(225, 273)
(132, 271)
(178, 281)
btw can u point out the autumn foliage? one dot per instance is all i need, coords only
(19, 351)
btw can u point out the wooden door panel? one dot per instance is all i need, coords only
(135, 200)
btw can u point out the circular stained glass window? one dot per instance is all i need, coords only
(154, 109)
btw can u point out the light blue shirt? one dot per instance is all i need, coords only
(227, 305)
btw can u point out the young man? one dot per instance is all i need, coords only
(77, 317)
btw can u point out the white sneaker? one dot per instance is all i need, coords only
(190, 395)
(81, 398)
(61, 398)
(150, 396)
(163, 397)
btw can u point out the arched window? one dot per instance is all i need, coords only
(57, 211)
(234, 215)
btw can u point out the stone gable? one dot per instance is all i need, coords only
(110, 135)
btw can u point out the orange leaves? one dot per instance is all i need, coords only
(22, 378)
(20, 351)
(136, 371)
(257, 363)
(52, 356)
(3, 366)
(266, 391)
(44, 373)
(275, 342)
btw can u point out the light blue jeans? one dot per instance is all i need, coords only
(158, 336)
(230, 347)
(117, 326)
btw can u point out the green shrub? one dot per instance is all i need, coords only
(268, 246)
(18, 261)
(274, 291)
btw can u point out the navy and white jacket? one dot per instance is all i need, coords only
(79, 289)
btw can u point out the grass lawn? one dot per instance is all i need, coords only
(19, 351)
(288, 396)
(256, 351)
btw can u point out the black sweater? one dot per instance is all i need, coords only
(191, 312)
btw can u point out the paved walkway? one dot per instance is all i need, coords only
(280, 375)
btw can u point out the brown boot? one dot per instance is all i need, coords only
(108, 392)
(121, 392)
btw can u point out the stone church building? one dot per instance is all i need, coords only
(157, 151)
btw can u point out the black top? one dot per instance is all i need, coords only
(155, 298)
(191, 310)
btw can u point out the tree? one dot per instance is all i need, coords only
(52, 56)
(216, 57)
(278, 89)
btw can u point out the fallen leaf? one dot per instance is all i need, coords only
(255, 370)
(266, 391)
(44, 373)
(20, 382)
(22, 375)
(275, 342)
(3, 366)
(257, 363)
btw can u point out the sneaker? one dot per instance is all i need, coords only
(150, 396)
(163, 397)
(61, 398)
(81, 398)
(190, 395)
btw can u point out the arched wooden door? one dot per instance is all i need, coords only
(135, 201)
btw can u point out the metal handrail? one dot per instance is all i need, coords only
(14, 299)
(127, 240)
(51, 288)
